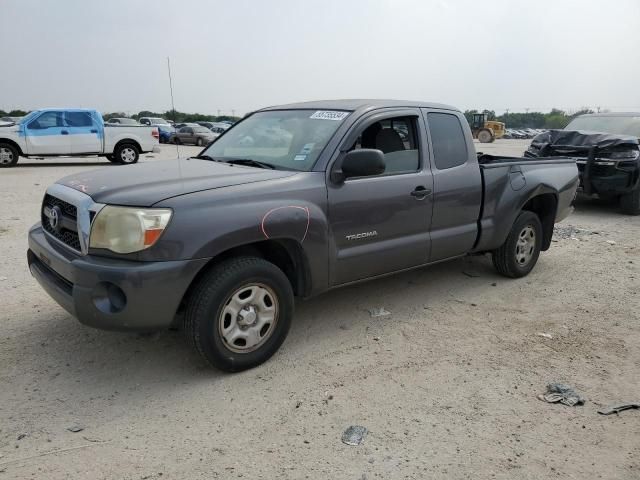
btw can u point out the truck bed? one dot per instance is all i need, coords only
(507, 185)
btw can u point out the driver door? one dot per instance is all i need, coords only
(47, 135)
(380, 223)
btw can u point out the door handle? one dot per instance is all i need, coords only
(421, 192)
(94, 130)
(64, 132)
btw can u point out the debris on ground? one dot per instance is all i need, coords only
(21, 436)
(354, 435)
(75, 428)
(617, 408)
(470, 274)
(545, 335)
(562, 393)
(565, 232)
(378, 312)
(611, 242)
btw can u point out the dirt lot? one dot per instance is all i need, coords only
(446, 384)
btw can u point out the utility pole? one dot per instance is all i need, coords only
(233, 112)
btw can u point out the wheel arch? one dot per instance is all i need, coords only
(287, 254)
(13, 144)
(545, 206)
(124, 141)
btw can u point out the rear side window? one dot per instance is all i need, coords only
(78, 119)
(449, 142)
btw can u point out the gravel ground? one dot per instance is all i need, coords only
(446, 384)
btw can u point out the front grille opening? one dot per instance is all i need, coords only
(68, 236)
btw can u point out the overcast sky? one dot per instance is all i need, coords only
(244, 54)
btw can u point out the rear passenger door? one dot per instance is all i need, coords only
(457, 184)
(84, 132)
(380, 224)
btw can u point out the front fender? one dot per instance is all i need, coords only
(207, 224)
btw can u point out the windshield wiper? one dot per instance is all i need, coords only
(250, 163)
(205, 157)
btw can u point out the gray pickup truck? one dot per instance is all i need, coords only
(290, 202)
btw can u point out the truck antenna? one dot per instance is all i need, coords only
(173, 107)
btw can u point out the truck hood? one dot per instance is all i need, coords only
(142, 185)
(570, 142)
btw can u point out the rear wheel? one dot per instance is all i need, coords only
(176, 140)
(8, 155)
(630, 203)
(485, 136)
(126, 153)
(519, 253)
(199, 142)
(239, 313)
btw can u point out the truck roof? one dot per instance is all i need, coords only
(357, 104)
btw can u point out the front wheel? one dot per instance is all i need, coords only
(126, 153)
(8, 155)
(239, 313)
(630, 203)
(485, 136)
(519, 253)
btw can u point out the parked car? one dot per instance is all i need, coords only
(225, 240)
(11, 119)
(154, 121)
(215, 127)
(165, 133)
(605, 147)
(122, 121)
(73, 131)
(196, 135)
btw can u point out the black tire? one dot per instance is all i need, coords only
(8, 155)
(176, 141)
(205, 319)
(111, 158)
(199, 142)
(507, 260)
(630, 203)
(126, 154)
(485, 136)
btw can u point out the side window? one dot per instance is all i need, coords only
(397, 139)
(78, 119)
(449, 142)
(46, 120)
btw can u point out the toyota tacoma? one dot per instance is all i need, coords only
(292, 201)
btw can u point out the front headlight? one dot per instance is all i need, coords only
(128, 230)
(625, 154)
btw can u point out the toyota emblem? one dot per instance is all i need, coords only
(54, 218)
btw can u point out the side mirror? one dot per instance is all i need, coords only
(364, 162)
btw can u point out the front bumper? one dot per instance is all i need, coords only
(110, 294)
(608, 177)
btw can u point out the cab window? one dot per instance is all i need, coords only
(46, 120)
(397, 139)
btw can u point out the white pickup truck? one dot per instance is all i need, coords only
(73, 132)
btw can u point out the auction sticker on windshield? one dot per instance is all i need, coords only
(329, 115)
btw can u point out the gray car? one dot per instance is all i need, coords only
(196, 135)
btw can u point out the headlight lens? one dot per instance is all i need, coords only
(625, 154)
(128, 230)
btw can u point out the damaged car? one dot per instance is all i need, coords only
(606, 150)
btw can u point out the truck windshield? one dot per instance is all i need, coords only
(286, 139)
(622, 125)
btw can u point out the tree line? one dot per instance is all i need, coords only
(174, 115)
(554, 119)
